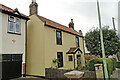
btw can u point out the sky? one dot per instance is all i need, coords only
(84, 13)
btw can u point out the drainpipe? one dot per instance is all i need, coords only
(25, 46)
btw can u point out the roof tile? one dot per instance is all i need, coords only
(3, 7)
(72, 49)
(59, 26)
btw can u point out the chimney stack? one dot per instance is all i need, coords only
(80, 32)
(33, 0)
(71, 24)
(33, 8)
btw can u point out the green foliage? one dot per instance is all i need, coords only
(55, 61)
(118, 55)
(114, 63)
(93, 61)
(111, 64)
(110, 39)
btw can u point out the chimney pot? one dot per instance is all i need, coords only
(80, 32)
(71, 24)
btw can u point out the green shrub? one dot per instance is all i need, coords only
(111, 64)
(91, 63)
(114, 63)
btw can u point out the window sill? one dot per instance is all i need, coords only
(60, 67)
(59, 44)
(14, 33)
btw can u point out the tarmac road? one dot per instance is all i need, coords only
(28, 79)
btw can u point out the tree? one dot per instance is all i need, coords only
(110, 39)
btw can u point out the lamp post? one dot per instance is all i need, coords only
(102, 44)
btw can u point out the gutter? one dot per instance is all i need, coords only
(62, 30)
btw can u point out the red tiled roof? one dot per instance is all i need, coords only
(72, 50)
(5, 8)
(88, 57)
(59, 26)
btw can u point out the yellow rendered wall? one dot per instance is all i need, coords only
(42, 47)
(35, 47)
(0, 34)
(51, 48)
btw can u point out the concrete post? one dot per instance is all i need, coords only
(99, 71)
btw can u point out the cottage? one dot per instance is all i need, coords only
(12, 42)
(50, 44)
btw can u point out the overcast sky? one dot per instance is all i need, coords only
(83, 13)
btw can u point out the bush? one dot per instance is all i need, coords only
(114, 63)
(93, 61)
(111, 64)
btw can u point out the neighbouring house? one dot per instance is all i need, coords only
(49, 41)
(13, 26)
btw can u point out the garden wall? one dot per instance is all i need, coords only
(51, 73)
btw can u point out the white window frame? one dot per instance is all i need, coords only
(19, 26)
(9, 24)
(14, 25)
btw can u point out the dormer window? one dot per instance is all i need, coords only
(14, 25)
(11, 24)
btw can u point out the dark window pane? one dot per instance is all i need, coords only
(70, 58)
(6, 57)
(77, 41)
(16, 57)
(59, 37)
(60, 58)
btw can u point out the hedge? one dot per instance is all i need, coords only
(111, 64)
(114, 63)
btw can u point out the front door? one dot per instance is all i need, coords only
(78, 60)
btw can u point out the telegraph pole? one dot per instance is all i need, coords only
(113, 23)
(102, 44)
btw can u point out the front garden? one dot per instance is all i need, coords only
(111, 64)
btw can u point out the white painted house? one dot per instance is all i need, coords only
(12, 42)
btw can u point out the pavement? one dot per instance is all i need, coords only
(28, 78)
(116, 74)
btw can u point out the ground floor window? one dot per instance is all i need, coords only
(70, 58)
(60, 58)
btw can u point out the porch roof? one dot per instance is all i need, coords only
(73, 50)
